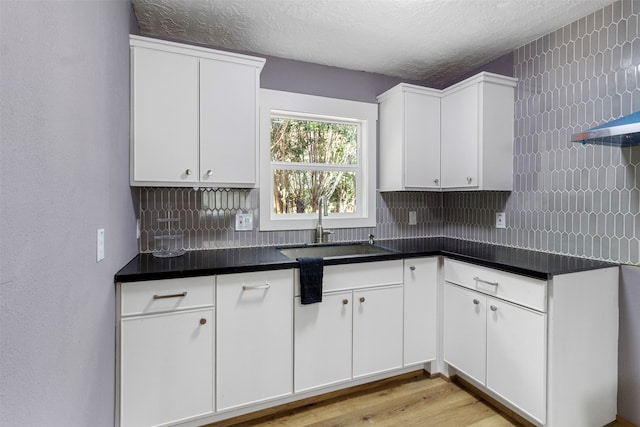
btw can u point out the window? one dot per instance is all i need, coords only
(313, 147)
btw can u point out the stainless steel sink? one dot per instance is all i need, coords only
(333, 251)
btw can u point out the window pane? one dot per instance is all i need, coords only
(297, 191)
(311, 141)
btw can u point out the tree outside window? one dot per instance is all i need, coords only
(313, 157)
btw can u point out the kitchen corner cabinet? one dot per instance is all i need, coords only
(409, 138)
(165, 366)
(523, 340)
(420, 310)
(254, 337)
(459, 138)
(476, 151)
(194, 115)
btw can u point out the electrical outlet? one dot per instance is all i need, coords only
(501, 220)
(100, 245)
(412, 218)
(244, 222)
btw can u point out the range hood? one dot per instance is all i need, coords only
(622, 132)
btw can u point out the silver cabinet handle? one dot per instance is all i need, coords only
(477, 279)
(180, 295)
(476, 302)
(345, 301)
(469, 179)
(251, 288)
(209, 172)
(437, 181)
(493, 308)
(188, 172)
(362, 299)
(412, 268)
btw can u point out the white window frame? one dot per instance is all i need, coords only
(300, 105)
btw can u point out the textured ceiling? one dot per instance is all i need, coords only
(431, 40)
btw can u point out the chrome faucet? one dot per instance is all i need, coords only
(322, 235)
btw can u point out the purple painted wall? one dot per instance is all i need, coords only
(64, 173)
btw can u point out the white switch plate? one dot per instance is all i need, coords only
(244, 222)
(100, 245)
(412, 218)
(501, 220)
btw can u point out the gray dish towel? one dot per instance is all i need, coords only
(311, 271)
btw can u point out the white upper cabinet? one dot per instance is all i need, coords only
(477, 134)
(194, 115)
(459, 138)
(410, 138)
(164, 116)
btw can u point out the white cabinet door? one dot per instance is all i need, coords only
(322, 351)
(465, 331)
(460, 115)
(377, 330)
(166, 367)
(422, 141)
(164, 118)
(228, 123)
(420, 284)
(254, 337)
(516, 355)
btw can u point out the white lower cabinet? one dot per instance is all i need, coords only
(198, 350)
(167, 368)
(420, 310)
(166, 354)
(497, 343)
(377, 330)
(323, 341)
(516, 355)
(254, 337)
(465, 331)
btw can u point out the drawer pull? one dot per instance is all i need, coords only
(180, 295)
(412, 268)
(254, 287)
(476, 302)
(345, 301)
(493, 308)
(203, 321)
(477, 279)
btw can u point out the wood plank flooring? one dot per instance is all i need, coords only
(416, 401)
(413, 400)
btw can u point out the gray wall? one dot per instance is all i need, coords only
(63, 174)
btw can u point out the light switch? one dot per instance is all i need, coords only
(100, 245)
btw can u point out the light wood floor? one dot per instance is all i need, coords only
(414, 400)
(417, 401)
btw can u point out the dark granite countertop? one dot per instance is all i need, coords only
(539, 265)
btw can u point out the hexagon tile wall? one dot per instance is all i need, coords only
(568, 198)
(206, 218)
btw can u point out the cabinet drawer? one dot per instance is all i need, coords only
(164, 295)
(521, 290)
(359, 275)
